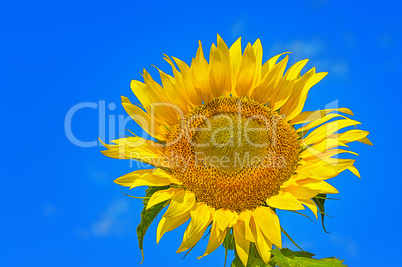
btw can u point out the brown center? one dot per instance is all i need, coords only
(233, 153)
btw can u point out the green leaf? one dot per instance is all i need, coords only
(319, 200)
(148, 215)
(289, 253)
(288, 258)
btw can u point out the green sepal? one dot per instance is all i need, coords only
(319, 201)
(228, 243)
(148, 215)
(254, 259)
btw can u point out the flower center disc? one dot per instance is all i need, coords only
(233, 153)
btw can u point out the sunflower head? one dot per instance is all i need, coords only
(230, 145)
(233, 153)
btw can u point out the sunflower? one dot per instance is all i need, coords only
(230, 144)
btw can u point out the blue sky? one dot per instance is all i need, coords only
(59, 204)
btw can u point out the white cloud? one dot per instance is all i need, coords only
(97, 176)
(348, 244)
(237, 29)
(49, 209)
(340, 69)
(114, 220)
(300, 49)
(316, 49)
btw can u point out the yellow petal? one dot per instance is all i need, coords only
(235, 59)
(269, 82)
(284, 88)
(223, 218)
(312, 152)
(245, 216)
(294, 71)
(157, 95)
(247, 72)
(140, 91)
(296, 93)
(241, 243)
(175, 94)
(152, 85)
(136, 148)
(200, 219)
(321, 186)
(284, 201)
(216, 238)
(300, 191)
(163, 174)
(336, 164)
(144, 120)
(203, 216)
(366, 141)
(168, 224)
(219, 69)
(194, 95)
(341, 139)
(277, 71)
(162, 195)
(319, 121)
(199, 67)
(181, 83)
(270, 63)
(257, 47)
(332, 152)
(311, 205)
(326, 144)
(322, 169)
(352, 135)
(281, 95)
(147, 97)
(181, 202)
(143, 178)
(325, 130)
(318, 172)
(262, 243)
(293, 107)
(354, 171)
(309, 116)
(266, 220)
